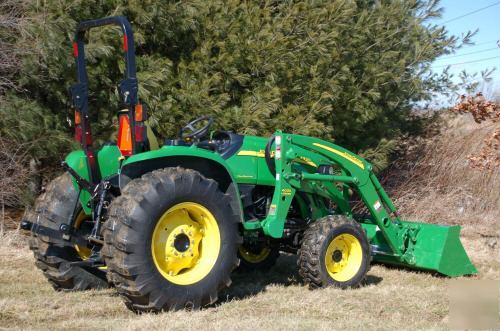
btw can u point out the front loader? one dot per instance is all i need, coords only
(167, 225)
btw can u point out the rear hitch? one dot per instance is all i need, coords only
(92, 262)
(97, 202)
(59, 234)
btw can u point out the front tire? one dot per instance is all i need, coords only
(335, 252)
(171, 241)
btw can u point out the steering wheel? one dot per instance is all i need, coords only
(196, 133)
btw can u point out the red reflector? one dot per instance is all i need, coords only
(125, 43)
(139, 133)
(89, 139)
(78, 133)
(75, 49)
(125, 135)
(79, 136)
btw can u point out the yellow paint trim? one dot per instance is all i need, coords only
(252, 153)
(189, 265)
(261, 153)
(350, 262)
(305, 160)
(345, 155)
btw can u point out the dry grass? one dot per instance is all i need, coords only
(435, 183)
(391, 298)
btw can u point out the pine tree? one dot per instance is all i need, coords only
(346, 71)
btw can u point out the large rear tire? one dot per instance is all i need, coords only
(52, 209)
(335, 252)
(171, 241)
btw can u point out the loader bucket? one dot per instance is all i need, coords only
(435, 248)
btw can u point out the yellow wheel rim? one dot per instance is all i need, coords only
(251, 257)
(343, 257)
(186, 243)
(83, 251)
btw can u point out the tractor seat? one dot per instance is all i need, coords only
(153, 141)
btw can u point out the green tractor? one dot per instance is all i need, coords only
(167, 225)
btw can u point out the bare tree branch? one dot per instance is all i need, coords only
(14, 175)
(11, 24)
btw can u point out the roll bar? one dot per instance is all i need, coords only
(128, 87)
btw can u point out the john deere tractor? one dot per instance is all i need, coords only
(167, 225)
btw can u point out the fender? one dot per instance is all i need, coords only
(108, 159)
(208, 163)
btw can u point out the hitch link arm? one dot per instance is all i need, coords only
(82, 182)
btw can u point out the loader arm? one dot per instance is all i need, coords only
(297, 159)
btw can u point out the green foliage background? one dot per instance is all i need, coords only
(346, 71)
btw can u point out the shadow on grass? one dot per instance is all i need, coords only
(248, 283)
(409, 270)
(284, 273)
(372, 280)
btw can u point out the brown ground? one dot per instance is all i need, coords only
(391, 298)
